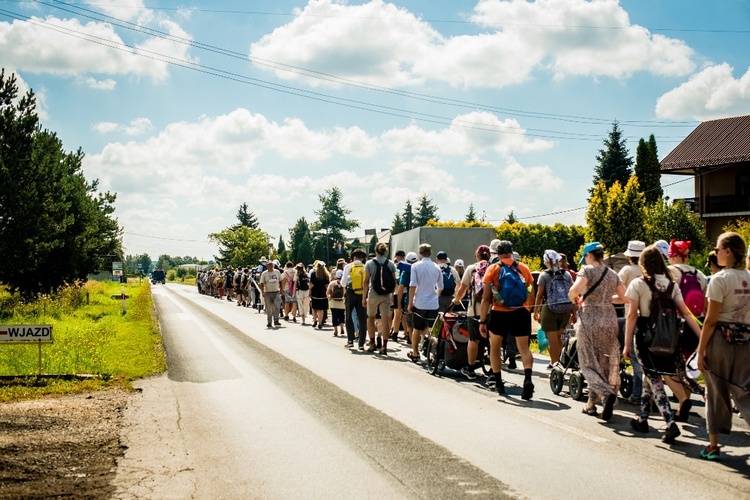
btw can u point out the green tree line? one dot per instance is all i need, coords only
(55, 226)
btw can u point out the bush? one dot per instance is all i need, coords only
(171, 275)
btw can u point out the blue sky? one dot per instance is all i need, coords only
(188, 109)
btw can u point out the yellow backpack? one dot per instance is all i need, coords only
(357, 276)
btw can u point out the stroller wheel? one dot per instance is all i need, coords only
(433, 359)
(575, 386)
(626, 385)
(556, 380)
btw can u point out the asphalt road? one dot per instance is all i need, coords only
(247, 412)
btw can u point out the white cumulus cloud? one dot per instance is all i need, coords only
(44, 45)
(533, 179)
(711, 93)
(380, 43)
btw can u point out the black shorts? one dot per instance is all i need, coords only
(516, 323)
(424, 318)
(473, 326)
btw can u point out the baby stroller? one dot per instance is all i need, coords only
(576, 382)
(446, 347)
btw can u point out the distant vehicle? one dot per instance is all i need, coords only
(158, 276)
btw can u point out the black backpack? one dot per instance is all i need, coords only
(383, 281)
(303, 282)
(662, 336)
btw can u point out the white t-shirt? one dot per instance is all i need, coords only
(731, 287)
(639, 290)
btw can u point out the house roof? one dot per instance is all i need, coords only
(714, 142)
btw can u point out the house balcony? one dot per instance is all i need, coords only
(719, 206)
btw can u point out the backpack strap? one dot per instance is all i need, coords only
(601, 278)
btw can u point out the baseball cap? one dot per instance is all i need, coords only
(590, 247)
(411, 257)
(442, 255)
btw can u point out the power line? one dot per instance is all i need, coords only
(367, 86)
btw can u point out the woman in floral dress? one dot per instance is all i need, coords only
(596, 329)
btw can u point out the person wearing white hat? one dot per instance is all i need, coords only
(663, 247)
(627, 274)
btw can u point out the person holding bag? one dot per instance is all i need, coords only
(597, 328)
(724, 346)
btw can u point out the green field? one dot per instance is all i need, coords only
(95, 344)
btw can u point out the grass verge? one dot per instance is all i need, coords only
(95, 345)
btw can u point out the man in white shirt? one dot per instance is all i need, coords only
(424, 288)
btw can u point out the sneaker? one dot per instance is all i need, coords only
(468, 373)
(512, 364)
(549, 366)
(277, 323)
(528, 390)
(371, 348)
(711, 453)
(383, 351)
(639, 425)
(671, 434)
(349, 345)
(268, 325)
(500, 388)
(490, 380)
(294, 319)
(286, 318)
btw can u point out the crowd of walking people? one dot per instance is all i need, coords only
(675, 322)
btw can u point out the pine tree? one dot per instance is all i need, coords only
(425, 212)
(245, 218)
(373, 242)
(511, 218)
(333, 220)
(472, 215)
(296, 237)
(648, 170)
(614, 163)
(281, 250)
(398, 225)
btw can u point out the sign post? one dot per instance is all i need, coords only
(25, 334)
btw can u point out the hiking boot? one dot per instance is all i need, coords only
(468, 373)
(639, 425)
(528, 390)
(671, 434)
(371, 348)
(383, 351)
(711, 453)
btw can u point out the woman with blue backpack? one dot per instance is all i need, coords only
(552, 306)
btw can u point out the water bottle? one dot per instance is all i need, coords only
(542, 340)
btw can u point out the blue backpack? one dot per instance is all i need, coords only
(449, 282)
(510, 290)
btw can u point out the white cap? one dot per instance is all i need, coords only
(459, 263)
(663, 247)
(411, 257)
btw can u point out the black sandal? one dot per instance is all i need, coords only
(412, 357)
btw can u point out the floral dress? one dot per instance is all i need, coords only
(597, 329)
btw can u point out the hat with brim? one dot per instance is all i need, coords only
(360, 252)
(635, 248)
(590, 247)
